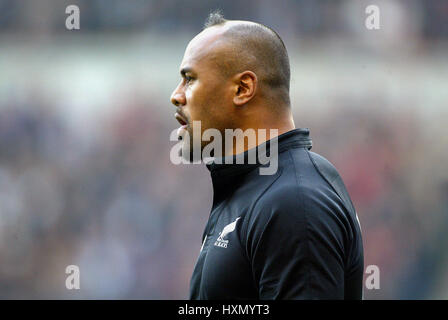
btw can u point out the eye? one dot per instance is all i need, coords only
(188, 79)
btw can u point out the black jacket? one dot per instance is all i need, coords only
(290, 235)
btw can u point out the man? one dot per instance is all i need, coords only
(293, 234)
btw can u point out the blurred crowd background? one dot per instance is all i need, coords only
(85, 119)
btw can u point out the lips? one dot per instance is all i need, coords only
(181, 119)
(181, 131)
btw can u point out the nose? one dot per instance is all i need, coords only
(178, 97)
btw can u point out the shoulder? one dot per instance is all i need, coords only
(303, 183)
(302, 198)
(311, 168)
(288, 202)
(324, 167)
(292, 214)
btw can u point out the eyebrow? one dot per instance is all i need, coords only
(185, 70)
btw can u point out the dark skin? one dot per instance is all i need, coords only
(222, 99)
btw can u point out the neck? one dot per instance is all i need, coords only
(256, 133)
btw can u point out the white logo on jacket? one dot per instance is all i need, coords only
(221, 242)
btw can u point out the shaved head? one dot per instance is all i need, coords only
(234, 75)
(252, 46)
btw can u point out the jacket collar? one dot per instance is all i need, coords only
(295, 138)
(226, 176)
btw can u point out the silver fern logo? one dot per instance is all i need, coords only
(221, 241)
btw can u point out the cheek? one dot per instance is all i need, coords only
(199, 98)
(207, 103)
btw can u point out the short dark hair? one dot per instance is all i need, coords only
(258, 41)
(214, 18)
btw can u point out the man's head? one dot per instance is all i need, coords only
(235, 74)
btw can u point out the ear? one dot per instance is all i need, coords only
(245, 87)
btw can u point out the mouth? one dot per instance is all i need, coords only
(182, 130)
(180, 119)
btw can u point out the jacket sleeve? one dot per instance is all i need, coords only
(295, 245)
